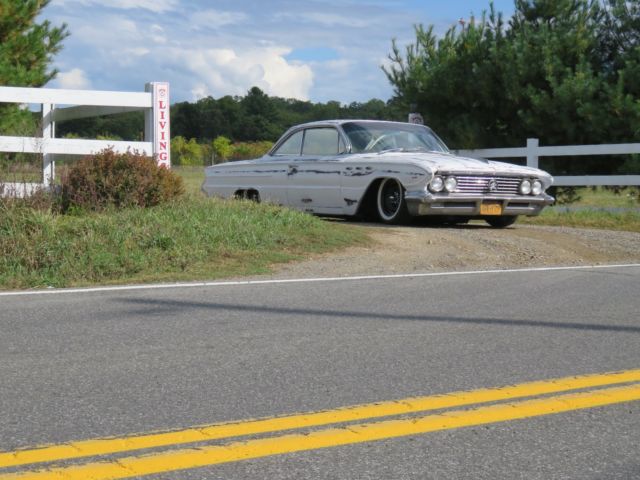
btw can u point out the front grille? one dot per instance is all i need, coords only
(478, 184)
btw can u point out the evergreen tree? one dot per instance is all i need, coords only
(619, 33)
(564, 71)
(26, 52)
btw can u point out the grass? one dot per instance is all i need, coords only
(627, 221)
(27, 170)
(201, 238)
(195, 238)
(600, 197)
(597, 208)
(192, 177)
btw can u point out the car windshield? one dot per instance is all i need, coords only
(384, 136)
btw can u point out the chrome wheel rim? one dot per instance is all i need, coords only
(389, 198)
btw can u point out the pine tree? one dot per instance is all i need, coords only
(564, 71)
(27, 47)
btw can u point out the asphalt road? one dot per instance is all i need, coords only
(79, 366)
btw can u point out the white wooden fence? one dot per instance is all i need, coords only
(59, 105)
(533, 151)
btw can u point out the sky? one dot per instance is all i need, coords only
(309, 50)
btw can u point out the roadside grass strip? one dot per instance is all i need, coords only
(207, 455)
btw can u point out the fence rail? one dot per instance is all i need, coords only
(68, 146)
(533, 151)
(60, 105)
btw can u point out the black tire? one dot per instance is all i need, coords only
(501, 222)
(253, 196)
(391, 206)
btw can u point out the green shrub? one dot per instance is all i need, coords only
(186, 152)
(222, 148)
(249, 150)
(110, 179)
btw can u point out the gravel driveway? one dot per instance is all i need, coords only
(408, 249)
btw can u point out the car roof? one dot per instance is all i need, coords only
(324, 123)
(341, 122)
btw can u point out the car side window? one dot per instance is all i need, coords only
(322, 141)
(291, 145)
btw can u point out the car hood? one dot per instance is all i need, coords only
(450, 163)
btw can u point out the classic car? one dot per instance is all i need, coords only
(392, 170)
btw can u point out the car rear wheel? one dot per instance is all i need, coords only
(390, 203)
(251, 195)
(501, 222)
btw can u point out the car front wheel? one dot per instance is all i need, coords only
(501, 222)
(390, 203)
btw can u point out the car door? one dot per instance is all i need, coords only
(314, 178)
(274, 169)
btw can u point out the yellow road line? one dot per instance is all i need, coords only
(212, 455)
(104, 446)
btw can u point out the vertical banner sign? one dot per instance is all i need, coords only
(161, 124)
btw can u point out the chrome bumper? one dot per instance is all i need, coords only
(426, 203)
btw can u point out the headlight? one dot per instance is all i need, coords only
(536, 187)
(525, 187)
(437, 184)
(450, 184)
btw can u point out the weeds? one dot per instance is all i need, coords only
(92, 229)
(188, 239)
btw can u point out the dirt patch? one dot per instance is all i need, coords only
(410, 249)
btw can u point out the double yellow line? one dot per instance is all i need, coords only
(590, 394)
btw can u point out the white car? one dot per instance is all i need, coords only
(389, 169)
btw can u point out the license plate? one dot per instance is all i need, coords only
(491, 208)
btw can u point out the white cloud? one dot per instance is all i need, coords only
(220, 72)
(199, 91)
(342, 64)
(215, 19)
(226, 47)
(331, 19)
(156, 6)
(111, 31)
(157, 34)
(74, 79)
(136, 51)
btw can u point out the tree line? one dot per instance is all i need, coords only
(249, 124)
(253, 117)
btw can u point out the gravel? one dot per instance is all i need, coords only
(409, 249)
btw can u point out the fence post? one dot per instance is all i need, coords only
(48, 132)
(156, 123)
(148, 119)
(532, 152)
